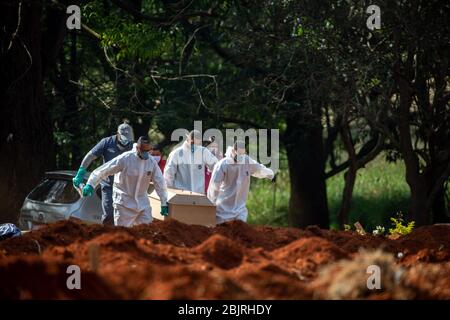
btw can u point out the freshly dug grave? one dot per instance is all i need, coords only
(171, 260)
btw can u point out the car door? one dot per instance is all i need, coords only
(52, 200)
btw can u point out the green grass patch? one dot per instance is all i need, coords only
(268, 202)
(380, 192)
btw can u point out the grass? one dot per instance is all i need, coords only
(380, 192)
(268, 202)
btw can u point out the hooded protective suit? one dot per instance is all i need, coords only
(186, 169)
(230, 183)
(132, 177)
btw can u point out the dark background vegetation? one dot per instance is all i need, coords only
(341, 94)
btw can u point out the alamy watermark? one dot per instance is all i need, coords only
(259, 142)
(374, 20)
(74, 20)
(374, 280)
(74, 280)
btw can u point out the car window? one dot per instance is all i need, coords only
(55, 191)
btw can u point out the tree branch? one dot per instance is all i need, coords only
(160, 21)
(367, 153)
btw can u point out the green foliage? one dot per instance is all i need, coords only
(400, 227)
(62, 138)
(130, 39)
(138, 41)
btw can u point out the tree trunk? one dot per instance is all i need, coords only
(65, 81)
(72, 107)
(308, 200)
(350, 179)
(350, 175)
(418, 210)
(403, 72)
(26, 142)
(440, 213)
(71, 117)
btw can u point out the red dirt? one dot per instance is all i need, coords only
(171, 260)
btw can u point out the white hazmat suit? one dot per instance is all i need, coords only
(132, 177)
(230, 183)
(186, 169)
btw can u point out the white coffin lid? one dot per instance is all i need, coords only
(184, 197)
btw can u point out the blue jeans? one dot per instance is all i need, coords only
(107, 206)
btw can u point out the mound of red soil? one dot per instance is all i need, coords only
(259, 236)
(37, 278)
(171, 260)
(58, 233)
(318, 250)
(222, 252)
(172, 232)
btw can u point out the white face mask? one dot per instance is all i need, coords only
(157, 158)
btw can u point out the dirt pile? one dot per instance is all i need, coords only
(37, 278)
(171, 260)
(221, 252)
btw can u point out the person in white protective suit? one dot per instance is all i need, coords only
(185, 166)
(230, 183)
(133, 171)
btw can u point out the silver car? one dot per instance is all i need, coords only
(55, 198)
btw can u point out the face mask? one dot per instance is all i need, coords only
(143, 155)
(157, 158)
(124, 142)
